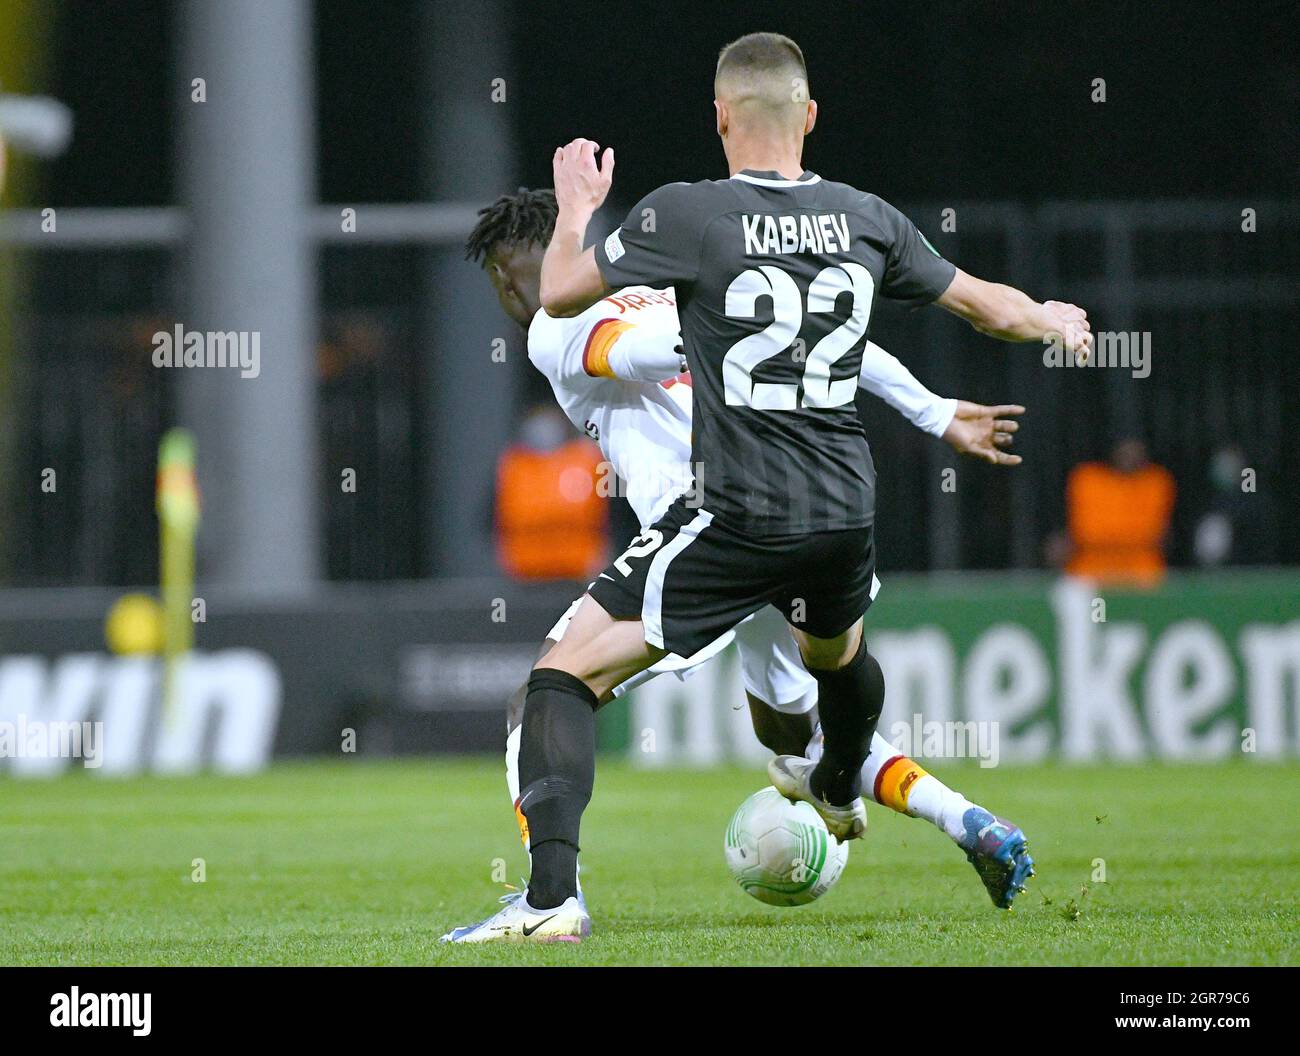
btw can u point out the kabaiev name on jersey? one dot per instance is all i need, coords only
(769, 234)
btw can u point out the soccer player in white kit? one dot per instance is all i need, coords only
(618, 374)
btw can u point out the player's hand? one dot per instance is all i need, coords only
(580, 185)
(1071, 322)
(982, 432)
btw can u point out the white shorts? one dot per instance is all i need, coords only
(770, 664)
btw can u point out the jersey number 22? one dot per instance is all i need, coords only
(787, 317)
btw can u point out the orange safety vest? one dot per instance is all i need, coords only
(551, 523)
(1118, 522)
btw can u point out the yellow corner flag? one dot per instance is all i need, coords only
(178, 519)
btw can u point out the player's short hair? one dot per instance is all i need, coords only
(766, 68)
(523, 218)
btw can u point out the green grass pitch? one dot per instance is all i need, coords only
(367, 863)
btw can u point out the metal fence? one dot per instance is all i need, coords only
(1218, 303)
(1220, 306)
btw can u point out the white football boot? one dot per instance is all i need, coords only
(517, 921)
(791, 773)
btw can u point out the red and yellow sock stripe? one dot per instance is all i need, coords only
(894, 781)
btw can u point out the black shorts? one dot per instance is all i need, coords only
(690, 579)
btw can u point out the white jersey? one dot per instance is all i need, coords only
(618, 375)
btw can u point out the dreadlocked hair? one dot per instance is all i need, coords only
(521, 218)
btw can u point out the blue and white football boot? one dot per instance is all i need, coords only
(999, 852)
(517, 921)
(790, 775)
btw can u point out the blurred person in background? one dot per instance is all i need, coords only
(1118, 515)
(1238, 527)
(550, 521)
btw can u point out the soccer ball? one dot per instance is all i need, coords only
(781, 852)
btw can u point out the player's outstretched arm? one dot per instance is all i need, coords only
(885, 377)
(571, 280)
(969, 428)
(1004, 312)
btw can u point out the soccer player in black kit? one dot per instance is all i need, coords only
(775, 271)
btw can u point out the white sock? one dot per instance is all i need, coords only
(931, 799)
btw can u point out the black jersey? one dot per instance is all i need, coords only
(775, 282)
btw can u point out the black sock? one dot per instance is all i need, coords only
(555, 873)
(557, 767)
(849, 702)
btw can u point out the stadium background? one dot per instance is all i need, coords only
(383, 608)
